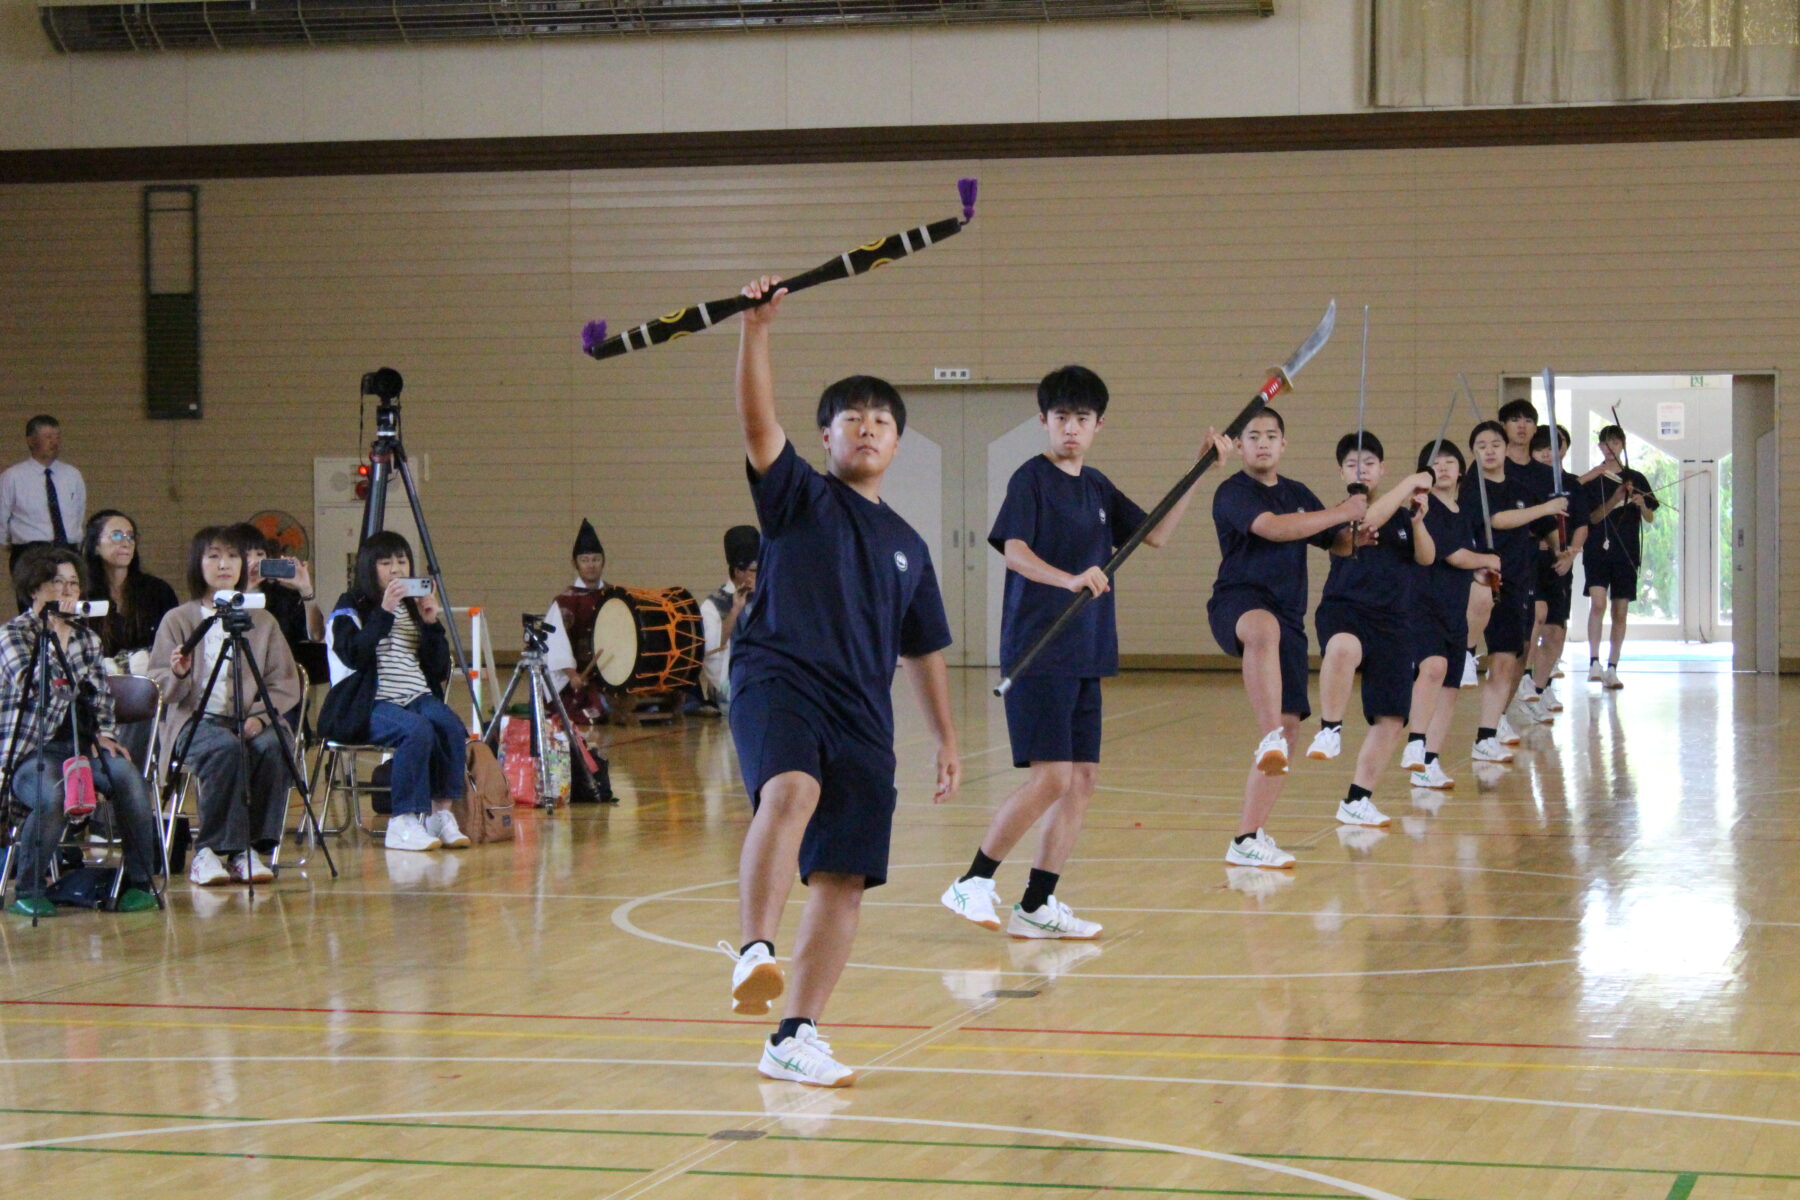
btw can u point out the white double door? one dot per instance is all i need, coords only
(961, 446)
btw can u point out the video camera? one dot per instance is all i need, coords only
(537, 631)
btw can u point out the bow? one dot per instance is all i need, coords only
(698, 317)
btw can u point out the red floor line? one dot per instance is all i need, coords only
(1114, 1033)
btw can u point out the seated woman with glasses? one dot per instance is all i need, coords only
(202, 730)
(138, 599)
(36, 737)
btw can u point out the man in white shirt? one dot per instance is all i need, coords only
(719, 612)
(42, 500)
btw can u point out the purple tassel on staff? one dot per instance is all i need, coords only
(592, 334)
(967, 188)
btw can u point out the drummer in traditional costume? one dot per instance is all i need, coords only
(571, 642)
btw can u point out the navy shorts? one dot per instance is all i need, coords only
(1557, 595)
(1618, 578)
(1054, 718)
(1435, 637)
(1222, 613)
(1510, 623)
(778, 729)
(1387, 661)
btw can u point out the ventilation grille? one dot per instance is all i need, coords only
(222, 24)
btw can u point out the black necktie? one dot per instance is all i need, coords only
(57, 531)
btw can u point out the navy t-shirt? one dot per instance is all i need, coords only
(1445, 587)
(1516, 547)
(845, 588)
(1072, 522)
(1378, 578)
(1622, 527)
(1277, 570)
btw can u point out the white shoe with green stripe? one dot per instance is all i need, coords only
(1052, 920)
(975, 899)
(804, 1058)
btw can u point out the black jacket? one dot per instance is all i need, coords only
(356, 631)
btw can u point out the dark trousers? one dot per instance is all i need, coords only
(37, 786)
(227, 826)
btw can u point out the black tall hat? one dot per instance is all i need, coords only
(587, 541)
(742, 545)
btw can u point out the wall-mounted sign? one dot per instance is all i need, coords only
(1671, 418)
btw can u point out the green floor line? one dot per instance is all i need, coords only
(1683, 1187)
(1513, 1166)
(577, 1167)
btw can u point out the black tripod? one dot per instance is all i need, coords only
(545, 697)
(44, 648)
(387, 454)
(235, 619)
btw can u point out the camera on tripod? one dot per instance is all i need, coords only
(537, 632)
(385, 385)
(234, 608)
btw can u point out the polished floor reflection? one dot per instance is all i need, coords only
(1571, 978)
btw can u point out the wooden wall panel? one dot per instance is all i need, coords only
(1177, 277)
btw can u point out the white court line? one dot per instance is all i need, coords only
(621, 917)
(1293, 1172)
(327, 1059)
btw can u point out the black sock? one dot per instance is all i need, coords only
(1359, 793)
(1430, 757)
(983, 867)
(788, 1028)
(1415, 737)
(1484, 733)
(1039, 887)
(1241, 838)
(1324, 724)
(745, 948)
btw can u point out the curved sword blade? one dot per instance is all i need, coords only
(1315, 341)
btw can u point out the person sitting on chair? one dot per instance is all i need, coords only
(35, 735)
(719, 612)
(400, 642)
(571, 642)
(138, 599)
(290, 598)
(239, 817)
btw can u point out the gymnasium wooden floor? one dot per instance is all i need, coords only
(1575, 978)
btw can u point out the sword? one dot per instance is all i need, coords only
(1562, 519)
(1431, 459)
(1281, 379)
(1359, 488)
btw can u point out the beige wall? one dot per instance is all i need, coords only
(1307, 58)
(1178, 278)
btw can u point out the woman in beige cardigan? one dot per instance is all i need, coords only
(231, 833)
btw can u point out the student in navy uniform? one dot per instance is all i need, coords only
(1620, 503)
(1060, 523)
(1513, 509)
(1258, 612)
(1362, 621)
(1440, 613)
(1555, 588)
(845, 588)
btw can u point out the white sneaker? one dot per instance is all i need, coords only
(1272, 753)
(1360, 811)
(755, 980)
(1412, 758)
(407, 832)
(207, 870)
(1258, 851)
(1556, 673)
(1505, 734)
(1611, 679)
(1552, 703)
(1434, 776)
(1489, 750)
(1535, 711)
(805, 1058)
(441, 824)
(1595, 674)
(973, 898)
(1328, 743)
(1053, 920)
(1471, 670)
(247, 868)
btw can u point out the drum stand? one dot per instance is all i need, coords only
(545, 699)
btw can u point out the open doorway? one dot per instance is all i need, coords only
(1698, 439)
